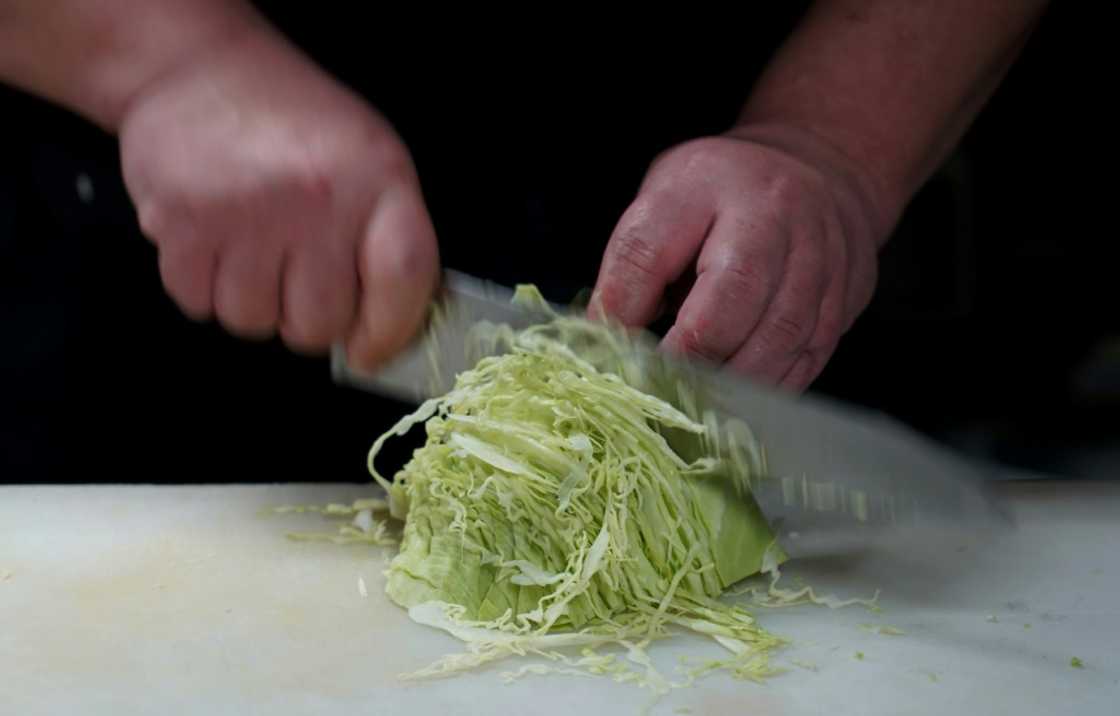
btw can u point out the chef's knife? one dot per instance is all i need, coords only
(830, 467)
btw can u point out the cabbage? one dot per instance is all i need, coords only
(558, 502)
(363, 528)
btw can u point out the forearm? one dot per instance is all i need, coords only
(889, 86)
(96, 57)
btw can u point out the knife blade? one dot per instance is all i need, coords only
(428, 367)
(834, 472)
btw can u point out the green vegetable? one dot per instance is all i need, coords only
(1076, 663)
(564, 498)
(884, 629)
(363, 528)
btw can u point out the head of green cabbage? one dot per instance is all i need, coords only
(558, 501)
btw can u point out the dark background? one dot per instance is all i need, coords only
(995, 327)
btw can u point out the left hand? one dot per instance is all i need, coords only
(782, 236)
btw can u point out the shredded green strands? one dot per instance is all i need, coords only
(1076, 663)
(374, 504)
(568, 500)
(884, 629)
(773, 596)
(361, 528)
(555, 504)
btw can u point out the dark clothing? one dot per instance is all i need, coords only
(530, 142)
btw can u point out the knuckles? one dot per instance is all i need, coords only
(636, 252)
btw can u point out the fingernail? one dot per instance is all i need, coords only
(595, 305)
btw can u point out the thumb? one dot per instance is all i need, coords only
(398, 268)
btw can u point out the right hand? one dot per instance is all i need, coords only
(279, 201)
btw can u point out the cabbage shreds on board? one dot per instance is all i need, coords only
(554, 505)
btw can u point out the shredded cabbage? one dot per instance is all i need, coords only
(774, 596)
(884, 629)
(558, 502)
(363, 527)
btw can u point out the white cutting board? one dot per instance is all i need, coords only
(122, 600)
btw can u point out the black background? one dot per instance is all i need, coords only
(530, 138)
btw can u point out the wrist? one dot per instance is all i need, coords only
(135, 56)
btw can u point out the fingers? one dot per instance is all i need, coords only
(398, 266)
(655, 241)
(187, 270)
(764, 303)
(790, 321)
(209, 270)
(372, 292)
(805, 369)
(738, 274)
(320, 297)
(800, 372)
(833, 319)
(247, 288)
(814, 356)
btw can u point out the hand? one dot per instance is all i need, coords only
(279, 201)
(771, 235)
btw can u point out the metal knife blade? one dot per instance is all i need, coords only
(429, 366)
(831, 467)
